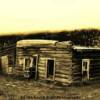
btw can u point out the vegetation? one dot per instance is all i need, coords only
(90, 37)
(16, 89)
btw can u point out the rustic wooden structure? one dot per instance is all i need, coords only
(51, 59)
(58, 61)
(7, 59)
(86, 63)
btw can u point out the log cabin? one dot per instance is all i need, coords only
(59, 61)
(52, 61)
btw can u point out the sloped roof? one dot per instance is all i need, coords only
(46, 43)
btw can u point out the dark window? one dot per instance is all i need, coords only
(27, 63)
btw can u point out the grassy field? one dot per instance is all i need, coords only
(16, 89)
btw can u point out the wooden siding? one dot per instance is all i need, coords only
(63, 62)
(8, 63)
(94, 70)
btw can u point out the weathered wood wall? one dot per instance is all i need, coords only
(20, 54)
(7, 65)
(94, 71)
(63, 63)
(61, 56)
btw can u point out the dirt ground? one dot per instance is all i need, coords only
(17, 89)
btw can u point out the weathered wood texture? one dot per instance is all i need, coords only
(7, 59)
(94, 68)
(61, 56)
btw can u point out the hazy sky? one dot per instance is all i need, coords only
(43, 15)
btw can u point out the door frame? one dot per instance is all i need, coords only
(36, 74)
(32, 57)
(87, 69)
(47, 69)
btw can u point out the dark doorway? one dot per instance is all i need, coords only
(50, 68)
(34, 61)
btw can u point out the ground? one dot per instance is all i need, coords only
(17, 89)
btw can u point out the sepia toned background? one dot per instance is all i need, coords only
(48, 15)
(60, 39)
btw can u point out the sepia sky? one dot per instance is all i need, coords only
(48, 15)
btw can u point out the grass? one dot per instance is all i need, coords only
(17, 89)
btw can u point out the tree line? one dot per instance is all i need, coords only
(85, 37)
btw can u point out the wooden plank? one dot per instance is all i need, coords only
(76, 73)
(95, 71)
(63, 72)
(56, 56)
(59, 66)
(95, 74)
(62, 80)
(64, 65)
(42, 60)
(41, 68)
(42, 63)
(62, 76)
(63, 69)
(56, 52)
(43, 57)
(64, 60)
(57, 49)
(41, 72)
(41, 76)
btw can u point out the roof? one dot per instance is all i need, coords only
(64, 44)
(35, 42)
(86, 48)
(43, 43)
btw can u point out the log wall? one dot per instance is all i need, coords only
(94, 68)
(7, 65)
(62, 58)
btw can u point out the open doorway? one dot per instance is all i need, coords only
(50, 68)
(85, 69)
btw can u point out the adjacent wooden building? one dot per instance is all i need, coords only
(86, 63)
(7, 59)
